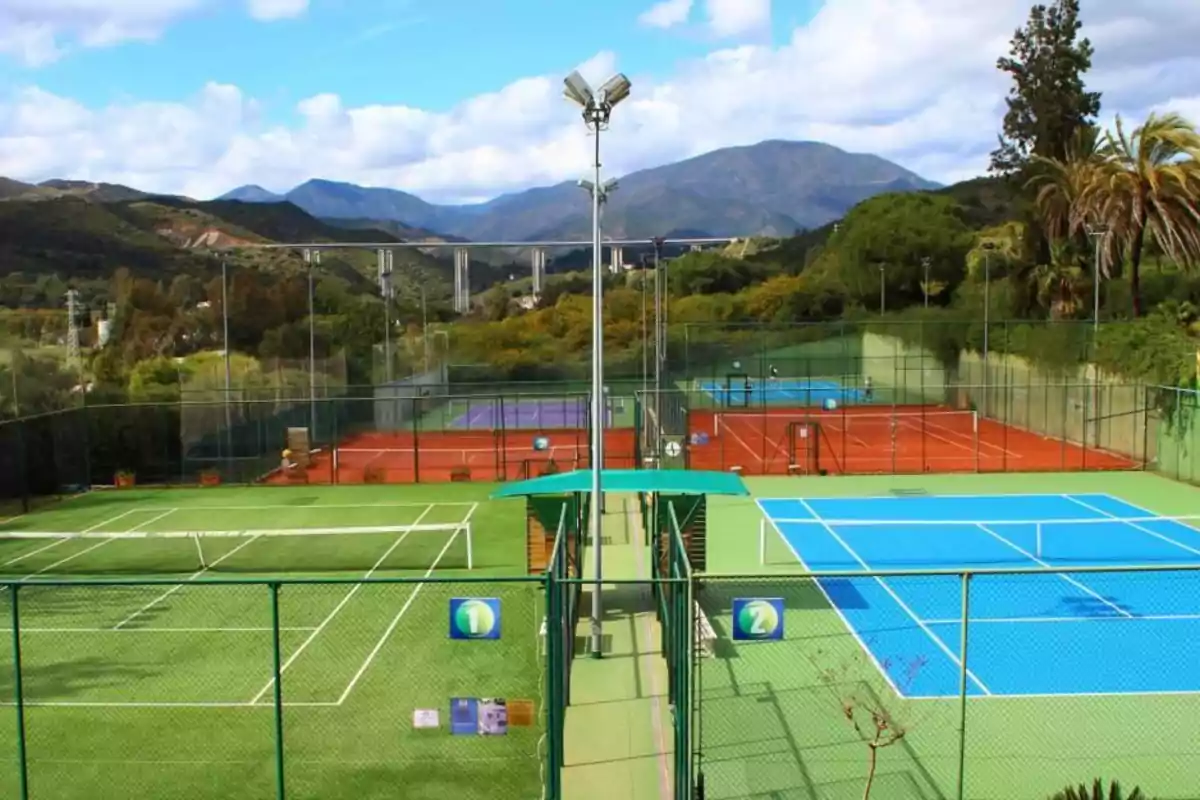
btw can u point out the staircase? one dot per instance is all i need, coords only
(695, 536)
(538, 546)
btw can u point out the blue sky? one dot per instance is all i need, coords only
(430, 55)
(460, 100)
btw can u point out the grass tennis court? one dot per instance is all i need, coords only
(1072, 675)
(167, 689)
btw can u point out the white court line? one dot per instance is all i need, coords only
(742, 442)
(324, 623)
(837, 610)
(314, 507)
(134, 704)
(396, 620)
(912, 426)
(1001, 496)
(1155, 534)
(64, 540)
(1062, 575)
(158, 630)
(177, 587)
(933, 637)
(87, 550)
(1060, 695)
(1023, 620)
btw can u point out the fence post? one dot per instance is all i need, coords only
(554, 717)
(19, 695)
(278, 674)
(962, 686)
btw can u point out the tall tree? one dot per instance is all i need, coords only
(1147, 185)
(1048, 102)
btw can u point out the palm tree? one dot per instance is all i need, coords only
(1097, 792)
(1060, 184)
(1145, 184)
(1058, 285)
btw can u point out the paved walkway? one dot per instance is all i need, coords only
(618, 738)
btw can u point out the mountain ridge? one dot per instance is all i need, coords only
(773, 187)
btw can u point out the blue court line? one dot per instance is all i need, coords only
(1012, 646)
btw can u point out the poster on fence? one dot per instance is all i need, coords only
(521, 713)
(464, 716)
(426, 718)
(493, 717)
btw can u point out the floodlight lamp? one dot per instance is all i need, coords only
(586, 184)
(576, 89)
(609, 186)
(615, 89)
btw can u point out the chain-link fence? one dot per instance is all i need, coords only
(323, 688)
(957, 685)
(892, 351)
(398, 434)
(773, 427)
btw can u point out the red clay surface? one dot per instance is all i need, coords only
(440, 456)
(859, 440)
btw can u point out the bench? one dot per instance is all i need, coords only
(706, 637)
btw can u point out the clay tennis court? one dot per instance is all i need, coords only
(856, 440)
(453, 455)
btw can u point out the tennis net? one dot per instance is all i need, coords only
(1006, 543)
(776, 423)
(45, 554)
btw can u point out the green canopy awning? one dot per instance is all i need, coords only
(630, 480)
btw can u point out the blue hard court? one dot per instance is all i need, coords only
(1053, 633)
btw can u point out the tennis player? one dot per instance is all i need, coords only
(287, 463)
(868, 389)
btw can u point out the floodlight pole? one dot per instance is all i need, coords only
(225, 343)
(660, 290)
(1099, 234)
(597, 520)
(925, 265)
(312, 257)
(597, 106)
(987, 310)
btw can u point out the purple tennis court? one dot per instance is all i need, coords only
(540, 413)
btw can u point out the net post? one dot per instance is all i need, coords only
(18, 693)
(470, 551)
(762, 541)
(962, 687)
(199, 550)
(1040, 549)
(277, 671)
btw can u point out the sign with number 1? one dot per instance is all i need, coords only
(474, 618)
(758, 619)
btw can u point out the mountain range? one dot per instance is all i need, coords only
(773, 188)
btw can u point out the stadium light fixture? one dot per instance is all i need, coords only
(597, 109)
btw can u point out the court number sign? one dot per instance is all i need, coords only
(758, 619)
(673, 449)
(474, 618)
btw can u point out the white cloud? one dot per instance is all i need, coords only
(267, 10)
(666, 14)
(37, 32)
(910, 80)
(738, 17)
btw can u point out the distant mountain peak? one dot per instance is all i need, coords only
(252, 193)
